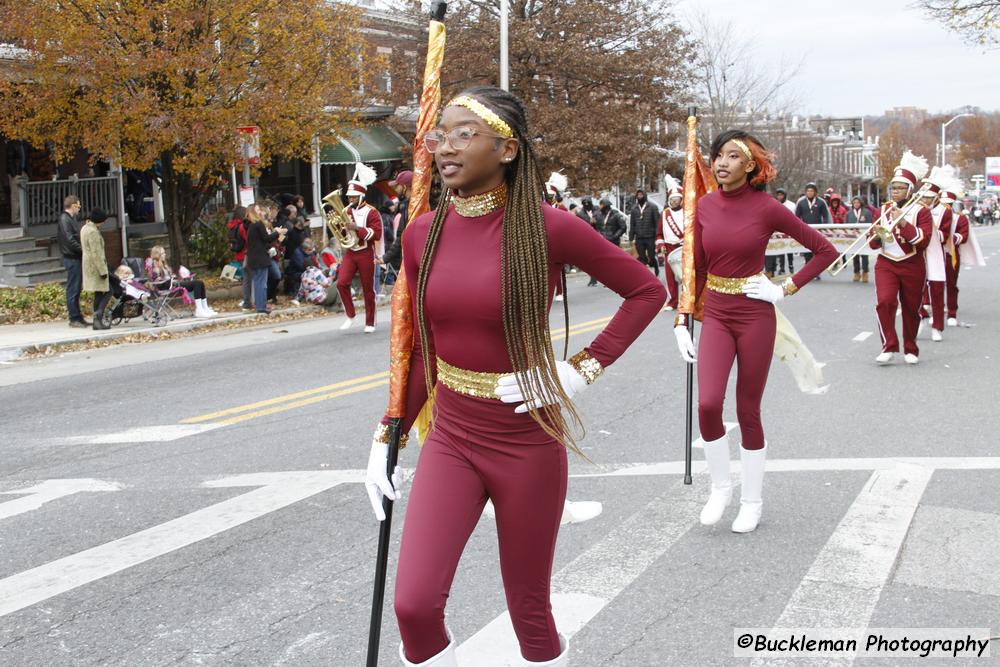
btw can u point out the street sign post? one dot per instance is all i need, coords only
(249, 153)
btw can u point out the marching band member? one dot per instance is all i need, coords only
(732, 227)
(670, 235)
(554, 189)
(934, 255)
(499, 430)
(366, 221)
(952, 261)
(900, 269)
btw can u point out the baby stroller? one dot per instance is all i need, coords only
(136, 296)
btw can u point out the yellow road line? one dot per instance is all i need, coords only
(301, 404)
(281, 399)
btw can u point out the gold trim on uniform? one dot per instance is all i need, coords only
(488, 115)
(382, 435)
(789, 287)
(727, 285)
(471, 383)
(587, 366)
(480, 205)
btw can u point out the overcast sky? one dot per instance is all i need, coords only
(864, 56)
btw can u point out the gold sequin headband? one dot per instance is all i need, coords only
(743, 148)
(489, 117)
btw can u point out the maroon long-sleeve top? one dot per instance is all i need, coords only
(732, 230)
(463, 303)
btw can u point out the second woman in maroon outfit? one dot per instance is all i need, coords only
(732, 227)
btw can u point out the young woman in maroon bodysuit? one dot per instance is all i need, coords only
(484, 267)
(731, 229)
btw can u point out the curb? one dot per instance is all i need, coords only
(13, 352)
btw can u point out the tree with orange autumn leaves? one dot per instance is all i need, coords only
(600, 80)
(166, 82)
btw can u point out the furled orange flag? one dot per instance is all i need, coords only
(401, 332)
(698, 182)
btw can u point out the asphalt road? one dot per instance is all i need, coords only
(198, 501)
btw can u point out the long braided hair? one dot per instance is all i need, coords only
(524, 275)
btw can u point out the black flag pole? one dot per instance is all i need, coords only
(382, 555)
(401, 336)
(689, 394)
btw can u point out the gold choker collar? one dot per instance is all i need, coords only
(480, 205)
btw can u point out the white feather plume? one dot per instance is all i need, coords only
(558, 181)
(915, 164)
(364, 174)
(671, 183)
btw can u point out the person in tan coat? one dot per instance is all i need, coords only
(95, 264)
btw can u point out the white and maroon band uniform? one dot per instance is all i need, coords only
(900, 272)
(669, 237)
(952, 262)
(936, 271)
(369, 224)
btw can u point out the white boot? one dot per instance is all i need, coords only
(445, 658)
(209, 308)
(561, 660)
(348, 321)
(580, 511)
(751, 503)
(717, 458)
(201, 310)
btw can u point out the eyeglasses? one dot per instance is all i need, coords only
(459, 138)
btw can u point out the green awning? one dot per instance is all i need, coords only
(375, 143)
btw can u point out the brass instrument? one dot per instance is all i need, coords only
(336, 222)
(883, 230)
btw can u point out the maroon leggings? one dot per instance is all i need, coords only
(933, 303)
(951, 273)
(459, 468)
(737, 328)
(363, 262)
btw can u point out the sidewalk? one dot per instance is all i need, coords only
(15, 339)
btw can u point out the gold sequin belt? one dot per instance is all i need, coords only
(727, 285)
(470, 383)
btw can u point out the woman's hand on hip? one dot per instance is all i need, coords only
(762, 289)
(508, 391)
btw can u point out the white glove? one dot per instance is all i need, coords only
(760, 287)
(377, 483)
(685, 344)
(508, 391)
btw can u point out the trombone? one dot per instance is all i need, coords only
(878, 228)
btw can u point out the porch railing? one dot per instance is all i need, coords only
(42, 201)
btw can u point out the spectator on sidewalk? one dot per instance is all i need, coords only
(778, 262)
(642, 230)
(813, 211)
(260, 244)
(860, 215)
(303, 257)
(838, 212)
(237, 232)
(94, 262)
(610, 222)
(68, 236)
(162, 277)
(588, 214)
